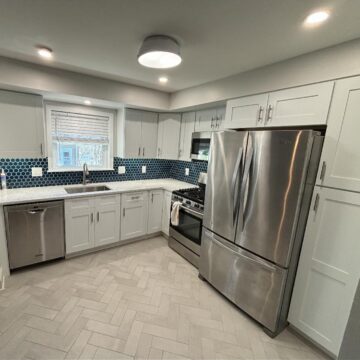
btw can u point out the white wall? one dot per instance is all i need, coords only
(33, 78)
(331, 63)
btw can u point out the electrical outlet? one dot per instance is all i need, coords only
(187, 171)
(143, 169)
(121, 170)
(36, 171)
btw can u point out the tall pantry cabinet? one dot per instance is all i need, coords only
(329, 266)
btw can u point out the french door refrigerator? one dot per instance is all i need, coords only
(257, 200)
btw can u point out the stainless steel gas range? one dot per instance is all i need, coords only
(185, 238)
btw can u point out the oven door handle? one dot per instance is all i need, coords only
(192, 212)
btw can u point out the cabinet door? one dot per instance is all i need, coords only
(21, 124)
(340, 160)
(220, 118)
(170, 133)
(155, 211)
(107, 219)
(205, 120)
(79, 224)
(149, 134)
(328, 269)
(134, 215)
(304, 105)
(246, 112)
(166, 212)
(133, 148)
(186, 130)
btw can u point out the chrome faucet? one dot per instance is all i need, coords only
(85, 174)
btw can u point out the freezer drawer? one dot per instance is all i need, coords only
(35, 232)
(253, 284)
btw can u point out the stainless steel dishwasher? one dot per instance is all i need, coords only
(35, 232)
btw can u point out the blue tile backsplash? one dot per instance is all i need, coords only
(18, 172)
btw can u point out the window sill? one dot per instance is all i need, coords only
(78, 170)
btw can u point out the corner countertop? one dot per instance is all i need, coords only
(46, 193)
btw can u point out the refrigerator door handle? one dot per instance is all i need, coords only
(245, 179)
(233, 184)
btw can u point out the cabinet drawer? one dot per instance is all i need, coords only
(107, 200)
(134, 197)
(79, 204)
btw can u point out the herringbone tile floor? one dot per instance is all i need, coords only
(140, 301)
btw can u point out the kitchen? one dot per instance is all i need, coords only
(185, 198)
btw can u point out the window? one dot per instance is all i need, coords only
(77, 136)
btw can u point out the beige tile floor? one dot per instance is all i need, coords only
(140, 301)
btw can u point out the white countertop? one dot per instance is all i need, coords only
(25, 195)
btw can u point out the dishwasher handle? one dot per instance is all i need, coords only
(35, 211)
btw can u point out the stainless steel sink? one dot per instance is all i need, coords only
(86, 189)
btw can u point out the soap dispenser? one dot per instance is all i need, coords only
(3, 179)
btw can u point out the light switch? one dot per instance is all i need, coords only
(143, 169)
(121, 170)
(36, 172)
(187, 171)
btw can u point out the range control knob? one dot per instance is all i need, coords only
(187, 202)
(197, 205)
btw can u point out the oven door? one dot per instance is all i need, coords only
(188, 232)
(200, 145)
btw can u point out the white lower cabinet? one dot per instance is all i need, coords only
(155, 211)
(166, 212)
(134, 214)
(329, 268)
(91, 222)
(107, 219)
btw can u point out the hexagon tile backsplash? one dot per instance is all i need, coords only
(18, 172)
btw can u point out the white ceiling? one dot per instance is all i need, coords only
(218, 37)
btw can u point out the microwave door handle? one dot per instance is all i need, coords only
(245, 181)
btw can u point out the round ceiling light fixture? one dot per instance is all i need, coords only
(317, 18)
(159, 52)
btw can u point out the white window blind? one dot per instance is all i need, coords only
(69, 126)
(78, 135)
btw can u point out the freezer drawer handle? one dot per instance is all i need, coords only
(256, 261)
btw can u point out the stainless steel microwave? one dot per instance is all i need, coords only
(200, 145)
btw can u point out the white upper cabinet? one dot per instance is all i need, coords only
(210, 119)
(22, 125)
(329, 268)
(340, 160)
(134, 215)
(186, 130)
(300, 106)
(246, 112)
(168, 136)
(141, 131)
(155, 211)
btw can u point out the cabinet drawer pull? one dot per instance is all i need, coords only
(135, 197)
(323, 170)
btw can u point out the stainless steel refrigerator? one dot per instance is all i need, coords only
(257, 200)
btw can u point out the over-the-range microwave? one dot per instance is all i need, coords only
(200, 145)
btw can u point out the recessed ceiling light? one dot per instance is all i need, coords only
(45, 53)
(159, 52)
(87, 102)
(317, 17)
(163, 79)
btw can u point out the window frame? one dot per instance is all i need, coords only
(80, 110)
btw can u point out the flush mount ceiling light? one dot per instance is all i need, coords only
(87, 102)
(159, 52)
(317, 18)
(163, 79)
(45, 53)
